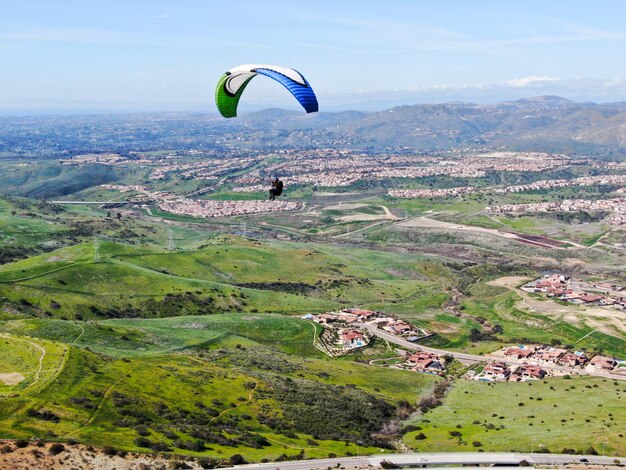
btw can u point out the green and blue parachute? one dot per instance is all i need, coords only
(232, 84)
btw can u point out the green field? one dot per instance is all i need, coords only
(227, 276)
(554, 414)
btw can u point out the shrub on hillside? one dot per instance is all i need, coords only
(56, 448)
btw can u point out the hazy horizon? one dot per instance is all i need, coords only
(67, 56)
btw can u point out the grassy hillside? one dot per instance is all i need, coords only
(130, 281)
(45, 180)
(233, 391)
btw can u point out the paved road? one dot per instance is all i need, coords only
(471, 358)
(438, 458)
(417, 347)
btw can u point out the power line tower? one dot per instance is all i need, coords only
(96, 250)
(171, 246)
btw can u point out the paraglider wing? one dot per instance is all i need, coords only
(232, 84)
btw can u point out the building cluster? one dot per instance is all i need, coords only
(209, 169)
(542, 361)
(142, 196)
(617, 206)
(335, 168)
(341, 333)
(208, 209)
(102, 158)
(346, 329)
(603, 294)
(430, 193)
(601, 180)
(252, 189)
(124, 188)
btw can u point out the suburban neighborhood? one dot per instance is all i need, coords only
(352, 328)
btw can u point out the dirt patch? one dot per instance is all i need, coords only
(11, 378)
(535, 240)
(81, 457)
(509, 281)
(345, 206)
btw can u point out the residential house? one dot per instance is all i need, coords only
(603, 362)
(426, 362)
(549, 354)
(352, 339)
(519, 352)
(577, 359)
(590, 298)
(530, 372)
(496, 371)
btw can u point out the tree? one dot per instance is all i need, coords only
(237, 459)
(388, 464)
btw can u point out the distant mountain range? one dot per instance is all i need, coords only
(539, 123)
(543, 123)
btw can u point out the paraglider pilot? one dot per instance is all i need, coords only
(277, 188)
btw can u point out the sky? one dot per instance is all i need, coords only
(157, 55)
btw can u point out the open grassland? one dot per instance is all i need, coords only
(244, 398)
(553, 414)
(140, 337)
(237, 275)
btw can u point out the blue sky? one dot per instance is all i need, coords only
(167, 55)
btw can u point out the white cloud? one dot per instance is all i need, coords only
(531, 81)
(162, 16)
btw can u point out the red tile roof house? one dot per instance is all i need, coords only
(572, 360)
(359, 313)
(574, 297)
(548, 354)
(352, 338)
(604, 285)
(557, 292)
(545, 285)
(496, 370)
(603, 362)
(590, 298)
(530, 372)
(399, 328)
(519, 353)
(413, 359)
(425, 362)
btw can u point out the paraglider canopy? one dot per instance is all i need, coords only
(232, 84)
